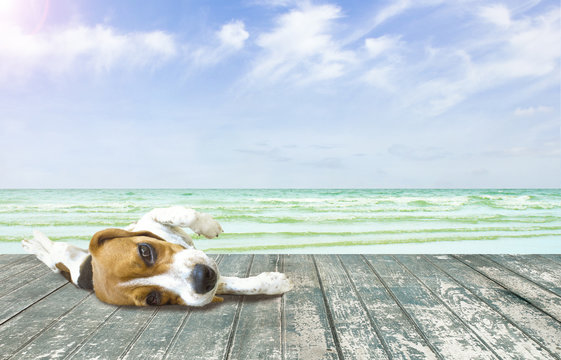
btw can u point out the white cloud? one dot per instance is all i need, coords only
(84, 48)
(528, 49)
(496, 14)
(392, 10)
(301, 47)
(381, 77)
(532, 110)
(381, 45)
(233, 34)
(229, 39)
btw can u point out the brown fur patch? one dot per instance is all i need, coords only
(115, 260)
(64, 271)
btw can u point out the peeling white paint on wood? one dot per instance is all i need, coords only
(372, 307)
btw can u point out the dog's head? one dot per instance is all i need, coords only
(140, 268)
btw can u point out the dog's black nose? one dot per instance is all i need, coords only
(204, 279)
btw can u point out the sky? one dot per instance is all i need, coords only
(280, 94)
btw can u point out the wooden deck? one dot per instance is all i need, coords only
(348, 306)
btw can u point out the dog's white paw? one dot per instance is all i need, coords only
(207, 226)
(275, 283)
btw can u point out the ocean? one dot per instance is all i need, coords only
(305, 221)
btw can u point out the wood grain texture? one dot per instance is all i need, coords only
(538, 296)
(17, 265)
(541, 327)
(533, 268)
(347, 306)
(25, 327)
(357, 336)
(259, 331)
(27, 295)
(506, 340)
(402, 338)
(30, 273)
(552, 257)
(446, 332)
(308, 335)
(6, 259)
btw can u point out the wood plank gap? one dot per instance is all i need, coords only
(494, 308)
(4, 274)
(282, 315)
(139, 332)
(407, 315)
(363, 304)
(51, 324)
(467, 326)
(181, 326)
(232, 336)
(328, 313)
(22, 270)
(556, 258)
(520, 275)
(20, 281)
(87, 338)
(530, 302)
(28, 306)
(34, 280)
(179, 329)
(22, 258)
(549, 259)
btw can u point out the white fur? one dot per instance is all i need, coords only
(51, 253)
(268, 283)
(167, 223)
(177, 279)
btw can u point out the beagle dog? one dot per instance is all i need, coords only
(152, 262)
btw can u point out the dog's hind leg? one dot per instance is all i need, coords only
(70, 261)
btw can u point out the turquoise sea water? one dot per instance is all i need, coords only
(311, 221)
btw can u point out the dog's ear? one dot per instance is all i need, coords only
(102, 236)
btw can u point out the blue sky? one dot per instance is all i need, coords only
(279, 93)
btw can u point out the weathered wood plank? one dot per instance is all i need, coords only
(552, 257)
(355, 331)
(440, 326)
(540, 326)
(153, 341)
(6, 259)
(29, 294)
(505, 338)
(476, 307)
(65, 337)
(30, 274)
(110, 339)
(16, 334)
(530, 291)
(260, 318)
(205, 334)
(308, 335)
(398, 331)
(533, 268)
(17, 265)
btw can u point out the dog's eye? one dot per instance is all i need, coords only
(154, 298)
(147, 253)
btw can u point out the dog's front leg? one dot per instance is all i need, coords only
(268, 283)
(200, 223)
